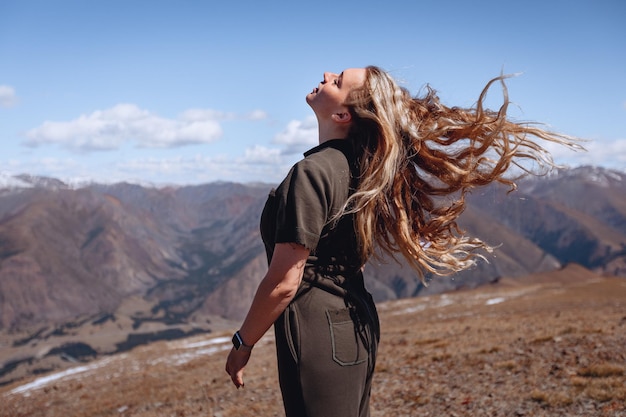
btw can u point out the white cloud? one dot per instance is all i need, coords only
(606, 153)
(262, 156)
(298, 136)
(108, 129)
(45, 165)
(256, 115)
(611, 154)
(257, 164)
(7, 96)
(64, 169)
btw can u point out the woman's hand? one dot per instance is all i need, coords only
(235, 364)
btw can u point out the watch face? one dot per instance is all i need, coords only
(237, 341)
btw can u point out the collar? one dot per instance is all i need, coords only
(339, 144)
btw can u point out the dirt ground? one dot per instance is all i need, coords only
(553, 345)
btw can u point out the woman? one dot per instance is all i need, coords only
(390, 172)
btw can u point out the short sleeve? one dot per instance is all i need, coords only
(304, 199)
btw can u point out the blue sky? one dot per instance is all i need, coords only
(187, 92)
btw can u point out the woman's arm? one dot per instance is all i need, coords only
(274, 293)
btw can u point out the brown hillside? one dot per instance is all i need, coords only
(547, 345)
(64, 253)
(193, 251)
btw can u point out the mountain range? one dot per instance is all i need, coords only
(165, 262)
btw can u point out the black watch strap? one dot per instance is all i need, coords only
(239, 344)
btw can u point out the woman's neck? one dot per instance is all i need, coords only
(331, 132)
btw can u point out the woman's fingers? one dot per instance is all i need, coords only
(235, 365)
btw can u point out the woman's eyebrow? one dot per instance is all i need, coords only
(340, 78)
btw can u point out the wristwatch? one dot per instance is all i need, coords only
(239, 344)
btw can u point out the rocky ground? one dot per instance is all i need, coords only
(549, 345)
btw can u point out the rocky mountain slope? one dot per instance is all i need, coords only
(134, 264)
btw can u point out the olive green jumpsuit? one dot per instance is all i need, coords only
(327, 337)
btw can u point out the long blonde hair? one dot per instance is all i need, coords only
(418, 159)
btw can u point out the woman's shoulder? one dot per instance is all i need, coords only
(324, 168)
(336, 153)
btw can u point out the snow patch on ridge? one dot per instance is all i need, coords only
(43, 381)
(190, 350)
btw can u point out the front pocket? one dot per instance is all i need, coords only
(347, 345)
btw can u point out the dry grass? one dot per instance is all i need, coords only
(550, 350)
(602, 370)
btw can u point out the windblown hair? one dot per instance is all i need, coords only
(418, 159)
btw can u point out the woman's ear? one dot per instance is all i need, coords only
(342, 117)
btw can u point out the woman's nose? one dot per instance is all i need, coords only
(328, 76)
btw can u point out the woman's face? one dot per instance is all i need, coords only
(328, 97)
